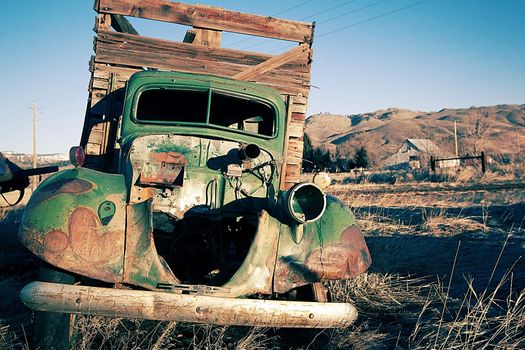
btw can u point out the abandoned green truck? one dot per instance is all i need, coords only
(189, 210)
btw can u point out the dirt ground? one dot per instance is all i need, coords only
(421, 243)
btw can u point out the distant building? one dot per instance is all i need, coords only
(415, 154)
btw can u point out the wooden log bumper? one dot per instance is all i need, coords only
(161, 306)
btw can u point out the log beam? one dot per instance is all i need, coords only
(163, 306)
(210, 18)
(272, 63)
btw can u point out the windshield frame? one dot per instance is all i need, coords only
(207, 125)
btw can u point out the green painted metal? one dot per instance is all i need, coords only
(62, 226)
(147, 80)
(101, 225)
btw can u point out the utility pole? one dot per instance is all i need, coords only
(456, 137)
(519, 145)
(34, 142)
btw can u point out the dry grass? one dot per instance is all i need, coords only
(404, 313)
(97, 332)
(8, 339)
(397, 311)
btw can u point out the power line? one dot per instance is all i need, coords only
(353, 11)
(330, 19)
(275, 14)
(372, 18)
(359, 23)
(328, 10)
(292, 8)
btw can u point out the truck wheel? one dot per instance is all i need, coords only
(53, 330)
(313, 292)
(311, 338)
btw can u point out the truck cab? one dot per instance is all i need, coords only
(186, 191)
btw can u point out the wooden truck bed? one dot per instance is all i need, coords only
(120, 51)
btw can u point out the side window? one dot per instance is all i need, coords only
(244, 114)
(165, 105)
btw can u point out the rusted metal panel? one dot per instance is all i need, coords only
(349, 258)
(256, 273)
(79, 236)
(142, 264)
(332, 248)
(163, 168)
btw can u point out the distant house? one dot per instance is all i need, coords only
(415, 154)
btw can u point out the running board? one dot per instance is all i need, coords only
(161, 306)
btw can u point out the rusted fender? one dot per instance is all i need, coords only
(76, 220)
(44, 296)
(329, 249)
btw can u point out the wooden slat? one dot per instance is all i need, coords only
(210, 18)
(272, 63)
(295, 129)
(103, 71)
(299, 116)
(297, 108)
(207, 37)
(296, 145)
(282, 181)
(127, 42)
(286, 82)
(121, 24)
(293, 173)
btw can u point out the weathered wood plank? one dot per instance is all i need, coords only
(272, 63)
(299, 116)
(299, 108)
(121, 24)
(295, 129)
(296, 145)
(293, 173)
(286, 82)
(207, 37)
(213, 55)
(282, 180)
(209, 17)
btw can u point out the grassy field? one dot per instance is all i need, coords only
(447, 273)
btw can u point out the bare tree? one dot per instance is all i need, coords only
(477, 127)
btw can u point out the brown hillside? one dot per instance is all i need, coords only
(495, 129)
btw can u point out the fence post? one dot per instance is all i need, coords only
(483, 161)
(432, 163)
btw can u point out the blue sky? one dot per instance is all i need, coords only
(368, 55)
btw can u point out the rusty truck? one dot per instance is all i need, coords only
(186, 202)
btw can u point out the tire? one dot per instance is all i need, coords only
(53, 330)
(311, 338)
(313, 292)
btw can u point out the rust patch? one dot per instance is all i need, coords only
(345, 260)
(88, 240)
(168, 157)
(56, 241)
(164, 168)
(290, 274)
(75, 186)
(58, 187)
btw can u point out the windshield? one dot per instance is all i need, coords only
(192, 106)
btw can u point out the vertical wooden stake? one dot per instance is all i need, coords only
(456, 137)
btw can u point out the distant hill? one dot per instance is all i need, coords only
(24, 160)
(494, 129)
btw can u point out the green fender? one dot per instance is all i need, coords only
(328, 249)
(76, 221)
